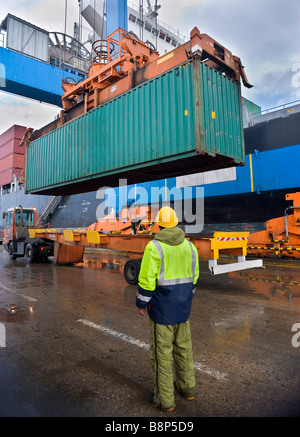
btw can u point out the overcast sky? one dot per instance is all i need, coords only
(265, 34)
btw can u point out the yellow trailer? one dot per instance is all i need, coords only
(69, 246)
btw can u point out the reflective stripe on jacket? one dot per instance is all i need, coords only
(167, 280)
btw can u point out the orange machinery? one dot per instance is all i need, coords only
(282, 235)
(69, 246)
(122, 62)
(137, 220)
(117, 234)
(114, 59)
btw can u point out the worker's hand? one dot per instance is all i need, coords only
(142, 312)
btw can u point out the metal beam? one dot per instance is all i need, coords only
(116, 16)
(32, 78)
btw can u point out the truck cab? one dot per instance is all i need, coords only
(16, 239)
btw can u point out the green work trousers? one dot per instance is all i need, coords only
(167, 342)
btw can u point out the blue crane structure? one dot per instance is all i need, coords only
(27, 68)
(32, 78)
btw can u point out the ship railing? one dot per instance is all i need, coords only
(160, 23)
(283, 110)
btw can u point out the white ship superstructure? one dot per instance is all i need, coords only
(142, 21)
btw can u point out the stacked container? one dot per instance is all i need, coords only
(12, 156)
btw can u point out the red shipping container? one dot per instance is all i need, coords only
(12, 161)
(12, 146)
(6, 177)
(14, 132)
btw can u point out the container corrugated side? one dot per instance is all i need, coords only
(155, 130)
(221, 118)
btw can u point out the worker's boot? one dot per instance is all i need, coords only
(151, 400)
(186, 396)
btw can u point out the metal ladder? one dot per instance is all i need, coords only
(54, 202)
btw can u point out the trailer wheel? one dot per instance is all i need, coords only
(11, 251)
(30, 253)
(132, 270)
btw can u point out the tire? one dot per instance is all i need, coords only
(31, 253)
(11, 251)
(132, 270)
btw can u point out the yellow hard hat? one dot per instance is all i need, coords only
(167, 217)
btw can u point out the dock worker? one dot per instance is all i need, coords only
(167, 282)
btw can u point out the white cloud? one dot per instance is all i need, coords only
(25, 112)
(47, 14)
(20, 4)
(265, 34)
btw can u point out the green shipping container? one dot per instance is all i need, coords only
(185, 121)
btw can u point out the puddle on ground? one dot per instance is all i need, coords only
(14, 315)
(116, 264)
(282, 288)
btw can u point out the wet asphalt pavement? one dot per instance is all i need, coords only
(77, 347)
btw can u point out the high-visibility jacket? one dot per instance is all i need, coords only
(167, 280)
